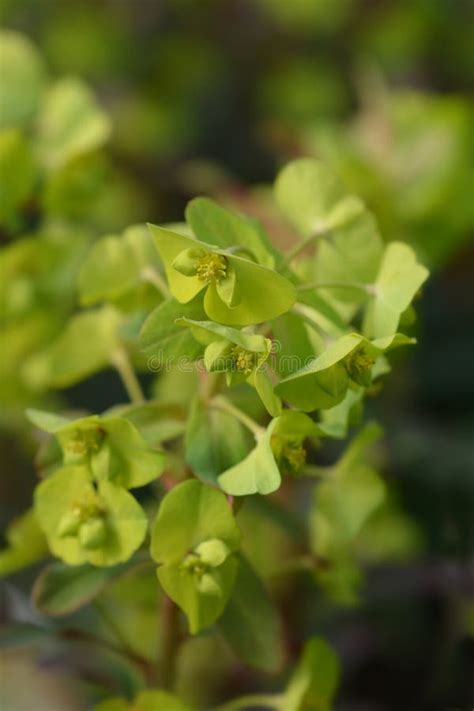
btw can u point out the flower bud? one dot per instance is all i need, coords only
(92, 533)
(70, 522)
(187, 261)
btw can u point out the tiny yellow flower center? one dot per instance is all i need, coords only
(293, 455)
(211, 267)
(194, 564)
(243, 360)
(85, 441)
(358, 362)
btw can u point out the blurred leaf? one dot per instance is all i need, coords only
(70, 123)
(61, 589)
(314, 682)
(399, 278)
(250, 623)
(214, 441)
(18, 172)
(23, 79)
(215, 225)
(115, 265)
(68, 496)
(20, 634)
(85, 346)
(26, 544)
(313, 198)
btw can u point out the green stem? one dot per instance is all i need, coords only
(169, 642)
(221, 403)
(335, 285)
(300, 246)
(121, 362)
(304, 312)
(270, 701)
(210, 383)
(320, 472)
(151, 275)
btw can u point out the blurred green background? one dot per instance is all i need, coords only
(213, 96)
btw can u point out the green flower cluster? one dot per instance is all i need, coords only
(83, 507)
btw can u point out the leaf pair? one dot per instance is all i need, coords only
(280, 447)
(83, 522)
(110, 447)
(238, 291)
(241, 356)
(323, 383)
(350, 492)
(193, 540)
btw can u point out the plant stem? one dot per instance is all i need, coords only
(305, 313)
(209, 384)
(221, 403)
(154, 277)
(320, 472)
(169, 642)
(271, 701)
(121, 361)
(300, 246)
(335, 285)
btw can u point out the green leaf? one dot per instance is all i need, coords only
(313, 198)
(157, 700)
(214, 441)
(147, 700)
(85, 347)
(18, 172)
(47, 421)
(114, 704)
(398, 280)
(156, 421)
(60, 589)
(257, 473)
(170, 245)
(293, 346)
(263, 293)
(70, 123)
(116, 265)
(23, 79)
(315, 680)
(19, 634)
(201, 608)
(25, 544)
(162, 336)
(213, 224)
(263, 385)
(335, 422)
(71, 487)
(190, 514)
(250, 623)
(207, 331)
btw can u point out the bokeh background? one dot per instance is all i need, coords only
(213, 96)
